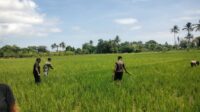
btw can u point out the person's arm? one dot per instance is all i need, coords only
(125, 68)
(115, 68)
(36, 68)
(50, 66)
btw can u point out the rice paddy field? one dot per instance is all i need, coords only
(160, 82)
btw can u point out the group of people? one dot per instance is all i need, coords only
(118, 70)
(36, 69)
(7, 100)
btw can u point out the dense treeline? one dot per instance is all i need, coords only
(109, 46)
(30, 51)
(103, 46)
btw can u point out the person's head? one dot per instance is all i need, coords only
(49, 59)
(8, 99)
(38, 60)
(119, 58)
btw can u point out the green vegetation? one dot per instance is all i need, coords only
(162, 82)
(109, 46)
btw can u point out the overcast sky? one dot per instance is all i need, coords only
(43, 22)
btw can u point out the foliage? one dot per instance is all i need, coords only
(15, 51)
(126, 47)
(175, 30)
(88, 48)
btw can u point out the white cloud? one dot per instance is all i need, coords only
(126, 21)
(20, 17)
(13, 28)
(10, 16)
(129, 23)
(17, 4)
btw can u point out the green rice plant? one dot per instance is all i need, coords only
(160, 82)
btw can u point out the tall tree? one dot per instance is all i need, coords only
(69, 48)
(188, 27)
(100, 46)
(117, 39)
(175, 30)
(62, 45)
(91, 42)
(151, 45)
(116, 42)
(88, 47)
(178, 39)
(54, 45)
(42, 49)
(197, 26)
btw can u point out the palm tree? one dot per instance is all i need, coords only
(178, 38)
(117, 39)
(189, 28)
(175, 30)
(54, 45)
(91, 42)
(189, 37)
(197, 26)
(62, 45)
(116, 42)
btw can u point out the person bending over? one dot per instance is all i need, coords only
(194, 63)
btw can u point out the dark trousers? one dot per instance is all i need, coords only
(118, 75)
(37, 78)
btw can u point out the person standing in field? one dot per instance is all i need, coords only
(119, 69)
(7, 100)
(36, 70)
(47, 66)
